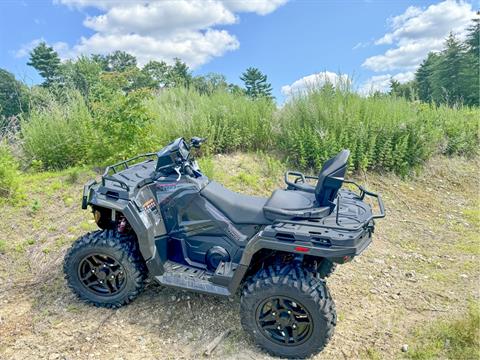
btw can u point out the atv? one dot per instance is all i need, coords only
(161, 217)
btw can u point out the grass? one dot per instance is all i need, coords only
(451, 339)
(9, 174)
(3, 246)
(59, 135)
(383, 133)
(372, 354)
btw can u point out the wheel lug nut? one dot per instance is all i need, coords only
(294, 326)
(274, 313)
(289, 312)
(279, 327)
(93, 270)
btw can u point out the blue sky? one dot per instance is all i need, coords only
(296, 43)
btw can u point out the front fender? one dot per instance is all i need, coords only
(144, 216)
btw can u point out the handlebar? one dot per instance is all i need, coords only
(197, 141)
(188, 170)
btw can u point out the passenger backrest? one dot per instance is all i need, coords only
(331, 178)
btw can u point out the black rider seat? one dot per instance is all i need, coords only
(239, 208)
(306, 201)
(245, 209)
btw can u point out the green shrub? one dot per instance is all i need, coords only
(60, 134)
(382, 132)
(9, 178)
(460, 130)
(118, 121)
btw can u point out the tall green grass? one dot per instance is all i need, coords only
(9, 178)
(382, 132)
(59, 134)
(230, 122)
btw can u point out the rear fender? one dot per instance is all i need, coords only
(337, 254)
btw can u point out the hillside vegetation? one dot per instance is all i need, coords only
(382, 132)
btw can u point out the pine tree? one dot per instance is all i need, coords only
(424, 77)
(406, 90)
(256, 84)
(472, 66)
(451, 77)
(46, 61)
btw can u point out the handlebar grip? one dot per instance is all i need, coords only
(197, 141)
(189, 171)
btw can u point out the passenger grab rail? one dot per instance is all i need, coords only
(363, 192)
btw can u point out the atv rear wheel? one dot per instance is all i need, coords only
(288, 311)
(104, 268)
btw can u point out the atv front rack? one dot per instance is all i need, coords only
(125, 165)
(109, 173)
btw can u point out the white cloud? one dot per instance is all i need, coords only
(164, 29)
(161, 18)
(405, 57)
(314, 81)
(60, 47)
(257, 6)
(360, 45)
(261, 7)
(418, 31)
(382, 82)
(193, 47)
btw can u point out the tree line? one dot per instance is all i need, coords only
(451, 76)
(118, 71)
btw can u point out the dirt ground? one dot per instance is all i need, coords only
(422, 265)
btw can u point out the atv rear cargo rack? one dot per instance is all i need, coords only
(349, 196)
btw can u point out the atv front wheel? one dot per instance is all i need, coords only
(104, 268)
(288, 311)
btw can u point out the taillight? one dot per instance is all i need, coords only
(301, 249)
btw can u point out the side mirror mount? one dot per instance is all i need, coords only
(196, 142)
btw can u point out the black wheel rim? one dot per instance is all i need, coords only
(284, 321)
(102, 274)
